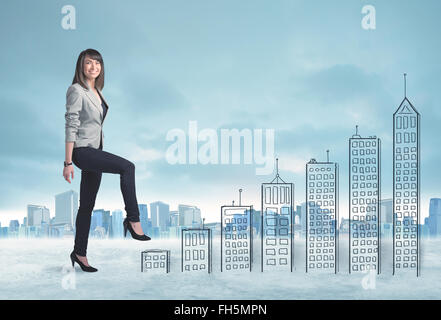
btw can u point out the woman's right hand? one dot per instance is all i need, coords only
(67, 172)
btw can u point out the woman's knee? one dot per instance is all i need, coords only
(129, 166)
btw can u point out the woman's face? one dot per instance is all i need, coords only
(91, 68)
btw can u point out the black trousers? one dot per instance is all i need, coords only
(93, 162)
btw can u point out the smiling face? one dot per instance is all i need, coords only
(91, 68)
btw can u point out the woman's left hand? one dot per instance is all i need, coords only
(67, 172)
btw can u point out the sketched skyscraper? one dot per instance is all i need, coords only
(364, 203)
(196, 249)
(321, 216)
(236, 237)
(277, 224)
(406, 186)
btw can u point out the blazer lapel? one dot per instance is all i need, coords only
(92, 96)
(105, 102)
(101, 95)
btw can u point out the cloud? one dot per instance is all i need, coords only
(293, 163)
(23, 133)
(329, 96)
(145, 155)
(145, 94)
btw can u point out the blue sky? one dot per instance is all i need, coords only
(306, 69)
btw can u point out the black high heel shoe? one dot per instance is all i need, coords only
(74, 258)
(128, 226)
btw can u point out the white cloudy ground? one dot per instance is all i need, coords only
(33, 269)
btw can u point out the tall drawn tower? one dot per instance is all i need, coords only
(236, 237)
(321, 216)
(277, 224)
(406, 187)
(364, 203)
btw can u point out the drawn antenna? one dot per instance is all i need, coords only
(356, 132)
(405, 85)
(277, 177)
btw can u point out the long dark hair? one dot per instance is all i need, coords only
(79, 75)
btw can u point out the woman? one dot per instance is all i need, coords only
(86, 110)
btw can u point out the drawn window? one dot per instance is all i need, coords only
(267, 195)
(282, 194)
(405, 122)
(398, 122)
(201, 238)
(187, 239)
(275, 195)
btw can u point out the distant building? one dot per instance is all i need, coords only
(143, 217)
(106, 222)
(424, 231)
(3, 232)
(44, 229)
(174, 232)
(160, 215)
(387, 230)
(434, 220)
(66, 208)
(344, 225)
(257, 220)
(386, 209)
(189, 215)
(14, 225)
(174, 218)
(301, 212)
(37, 214)
(156, 233)
(215, 228)
(297, 214)
(96, 220)
(116, 226)
(22, 231)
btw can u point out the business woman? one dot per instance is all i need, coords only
(86, 110)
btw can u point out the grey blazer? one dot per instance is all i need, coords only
(84, 117)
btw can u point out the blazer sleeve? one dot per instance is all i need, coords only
(74, 104)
